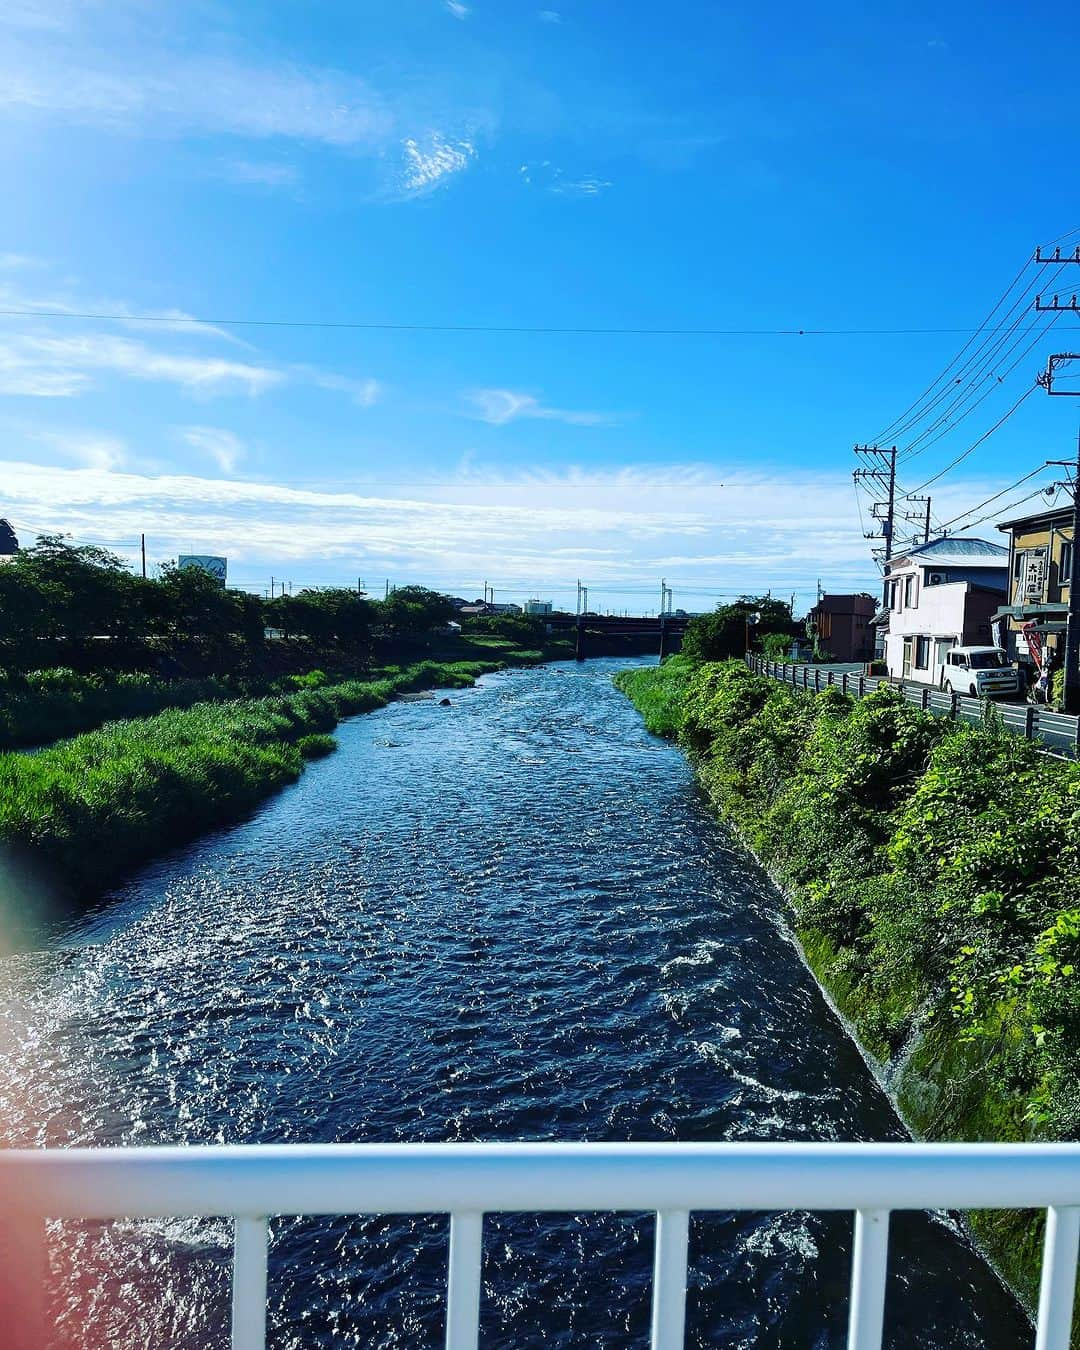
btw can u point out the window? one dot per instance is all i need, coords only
(922, 653)
(1065, 565)
(909, 592)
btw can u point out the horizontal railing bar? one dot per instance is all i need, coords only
(299, 1179)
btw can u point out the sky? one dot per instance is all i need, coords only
(491, 200)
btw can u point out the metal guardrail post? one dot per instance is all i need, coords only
(463, 1281)
(669, 1280)
(844, 683)
(862, 686)
(867, 1316)
(1029, 722)
(817, 679)
(954, 705)
(925, 697)
(1058, 1287)
(249, 1284)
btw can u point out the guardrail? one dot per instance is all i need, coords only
(249, 1183)
(1059, 733)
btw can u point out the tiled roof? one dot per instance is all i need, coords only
(947, 552)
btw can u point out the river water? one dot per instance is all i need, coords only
(511, 918)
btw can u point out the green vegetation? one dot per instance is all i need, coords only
(77, 816)
(730, 629)
(933, 871)
(317, 745)
(47, 704)
(657, 693)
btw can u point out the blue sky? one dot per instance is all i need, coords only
(587, 165)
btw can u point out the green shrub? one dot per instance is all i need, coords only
(316, 746)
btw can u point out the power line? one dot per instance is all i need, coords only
(995, 497)
(498, 329)
(894, 427)
(975, 445)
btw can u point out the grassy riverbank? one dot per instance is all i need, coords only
(934, 877)
(79, 815)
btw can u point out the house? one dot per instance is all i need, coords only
(1039, 571)
(941, 594)
(842, 626)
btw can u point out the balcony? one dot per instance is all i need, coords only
(250, 1183)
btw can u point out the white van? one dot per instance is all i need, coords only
(982, 672)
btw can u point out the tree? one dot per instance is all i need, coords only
(730, 629)
(413, 612)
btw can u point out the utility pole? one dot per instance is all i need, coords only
(881, 472)
(386, 595)
(578, 609)
(271, 588)
(142, 540)
(663, 596)
(919, 517)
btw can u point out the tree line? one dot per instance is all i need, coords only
(82, 606)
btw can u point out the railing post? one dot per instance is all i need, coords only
(868, 1266)
(1029, 722)
(925, 697)
(463, 1298)
(954, 705)
(817, 679)
(844, 683)
(862, 686)
(669, 1280)
(1058, 1286)
(249, 1284)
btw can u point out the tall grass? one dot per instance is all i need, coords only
(658, 692)
(88, 809)
(46, 705)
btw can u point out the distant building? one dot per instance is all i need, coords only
(843, 626)
(539, 607)
(1039, 572)
(941, 594)
(9, 545)
(484, 609)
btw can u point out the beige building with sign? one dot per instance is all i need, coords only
(1040, 568)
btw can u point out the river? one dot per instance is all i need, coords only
(512, 918)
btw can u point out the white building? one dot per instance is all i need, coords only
(541, 607)
(941, 595)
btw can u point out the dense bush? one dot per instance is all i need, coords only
(934, 874)
(935, 865)
(732, 629)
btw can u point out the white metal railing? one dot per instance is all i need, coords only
(248, 1183)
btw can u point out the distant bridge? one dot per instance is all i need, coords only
(667, 628)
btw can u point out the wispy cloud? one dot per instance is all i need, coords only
(364, 392)
(200, 94)
(55, 367)
(429, 164)
(552, 179)
(500, 406)
(260, 173)
(457, 9)
(223, 447)
(550, 16)
(89, 449)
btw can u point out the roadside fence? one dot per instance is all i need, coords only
(1058, 733)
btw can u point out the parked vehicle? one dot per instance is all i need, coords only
(982, 672)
